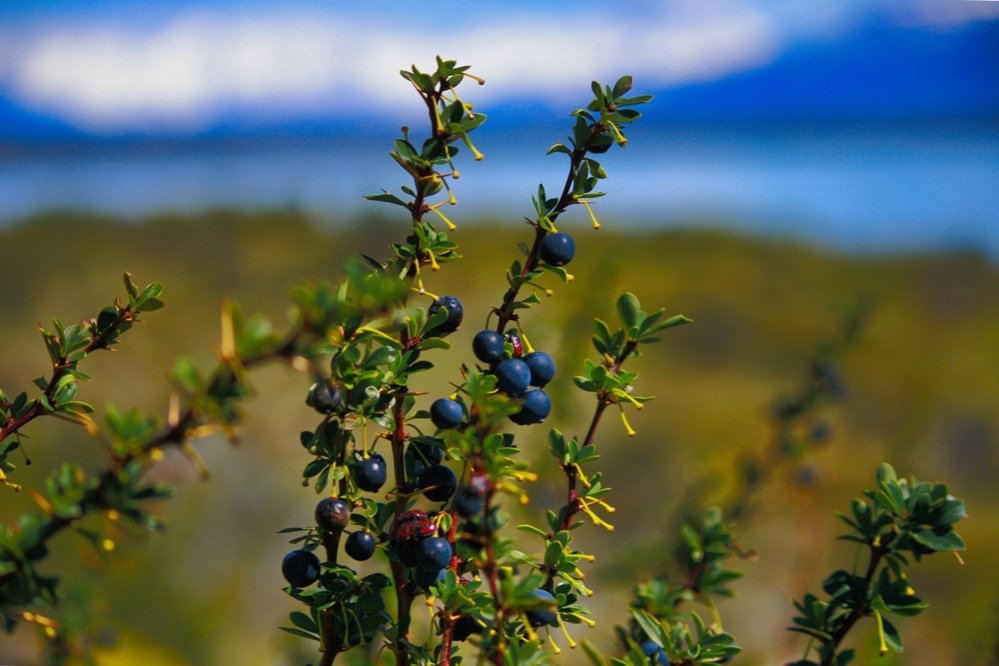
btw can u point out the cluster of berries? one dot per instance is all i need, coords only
(517, 372)
(414, 537)
(301, 568)
(414, 534)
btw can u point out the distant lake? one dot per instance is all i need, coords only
(875, 186)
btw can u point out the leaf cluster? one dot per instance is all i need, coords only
(899, 520)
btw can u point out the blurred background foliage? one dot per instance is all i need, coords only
(923, 393)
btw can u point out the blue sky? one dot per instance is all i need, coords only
(114, 67)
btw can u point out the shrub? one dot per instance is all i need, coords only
(439, 524)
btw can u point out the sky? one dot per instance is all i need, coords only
(112, 67)
(855, 123)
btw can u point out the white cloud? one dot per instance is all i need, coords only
(183, 73)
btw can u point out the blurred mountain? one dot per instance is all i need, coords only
(20, 124)
(875, 71)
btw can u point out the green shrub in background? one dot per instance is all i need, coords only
(439, 524)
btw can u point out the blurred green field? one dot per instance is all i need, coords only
(924, 395)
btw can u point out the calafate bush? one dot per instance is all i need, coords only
(425, 485)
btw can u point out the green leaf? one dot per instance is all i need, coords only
(675, 320)
(186, 374)
(531, 529)
(434, 343)
(598, 92)
(844, 657)
(387, 197)
(886, 473)
(892, 637)
(304, 622)
(152, 291)
(299, 632)
(938, 542)
(649, 624)
(559, 148)
(629, 309)
(951, 511)
(622, 86)
(592, 654)
(152, 304)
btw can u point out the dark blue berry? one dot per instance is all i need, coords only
(409, 553)
(446, 413)
(467, 502)
(370, 474)
(300, 568)
(455, 313)
(542, 368)
(513, 376)
(465, 626)
(807, 476)
(488, 346)
(656, 654)
(426, 578)
(557, 249)
(830, 378)
(332, 514)
(324, 398)
(434, 554)
(425, 453)
(545, 614)
(535, 408)
(361, 545)
(821, 432)
(439, 482)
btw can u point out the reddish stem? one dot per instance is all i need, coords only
(404, 597)
(60, 368)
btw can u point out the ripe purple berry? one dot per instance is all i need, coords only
(557, 249)
(426, 578)
(370, 474)
(488, 346)
(535, 408)
(455, 313)
(332, 514)
(465, 626)
(300, 568)
(446, 413)
(542, 368)
(467, 501)
(360, 545)
(656, 654)
(513, 376)
(433, 554)
(425, 453)
(544, 614)
(324, 397)
(439, 482)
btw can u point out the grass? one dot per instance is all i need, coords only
(924, 393)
